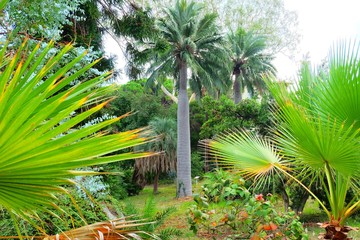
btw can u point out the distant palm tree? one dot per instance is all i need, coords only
(318, 134)
(249, 62)
(193, 45)
(165, 161)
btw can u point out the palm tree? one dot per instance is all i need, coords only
(249, 62)
(194, 45)
(318, 135)
(165, 161)
(41, 144)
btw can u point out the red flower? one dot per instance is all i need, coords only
(259, 197)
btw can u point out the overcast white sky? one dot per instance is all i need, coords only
(321, 23)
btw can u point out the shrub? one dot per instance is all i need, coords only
(227, 209)
(221, 185)
(151, 214)
(73, 216)
(197, 165)
(121, 185)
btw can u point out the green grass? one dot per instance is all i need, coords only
(166, 198)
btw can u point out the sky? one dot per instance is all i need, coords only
(321, 24)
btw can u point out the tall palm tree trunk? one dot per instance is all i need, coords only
(237, 88)
(184, 187)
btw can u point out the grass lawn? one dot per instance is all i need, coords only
(166, 198)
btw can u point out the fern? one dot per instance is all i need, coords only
(150, 214)
(150, 208)
(161, 216)
(169, 233)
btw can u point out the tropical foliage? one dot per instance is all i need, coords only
(192, 43)
(41, 142)
(163, 162)
(317, 136)
(227, 209)
(249, 62)
(157, 218)
(58, 116)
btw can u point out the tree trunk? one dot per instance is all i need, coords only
(156, 182)
(237, 88)
(302, 203)
(167, 93)
(184, 187)
(285, 198)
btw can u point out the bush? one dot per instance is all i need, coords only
(74, 215)
(121, 185)
(197, 165)
(151, 214)
(220, 186)
(227, 209)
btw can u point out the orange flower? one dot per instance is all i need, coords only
(269, 227)
(255, 237)
(225, 218)
(243, 214)
(273, 226)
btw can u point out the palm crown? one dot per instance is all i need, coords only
(249, 61)
(192, 39)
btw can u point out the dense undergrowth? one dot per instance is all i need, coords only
(179, 218)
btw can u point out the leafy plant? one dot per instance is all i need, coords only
(41, 144)
(197, 165)
(317, 136)
(74, 211)
(248, 217)
(121, 184)
(221, 185)
(217, 116)
(151, 214)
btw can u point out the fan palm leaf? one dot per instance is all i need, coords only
(317, 131)
(121, 228)
(40, 138)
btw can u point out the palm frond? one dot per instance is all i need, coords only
(317, 131)
(247, 153)
(41, 142)
(122, 228)
(248, 53)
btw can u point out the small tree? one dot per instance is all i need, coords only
(165, 161)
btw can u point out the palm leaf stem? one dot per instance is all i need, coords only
(329, 178)
(306, 188)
